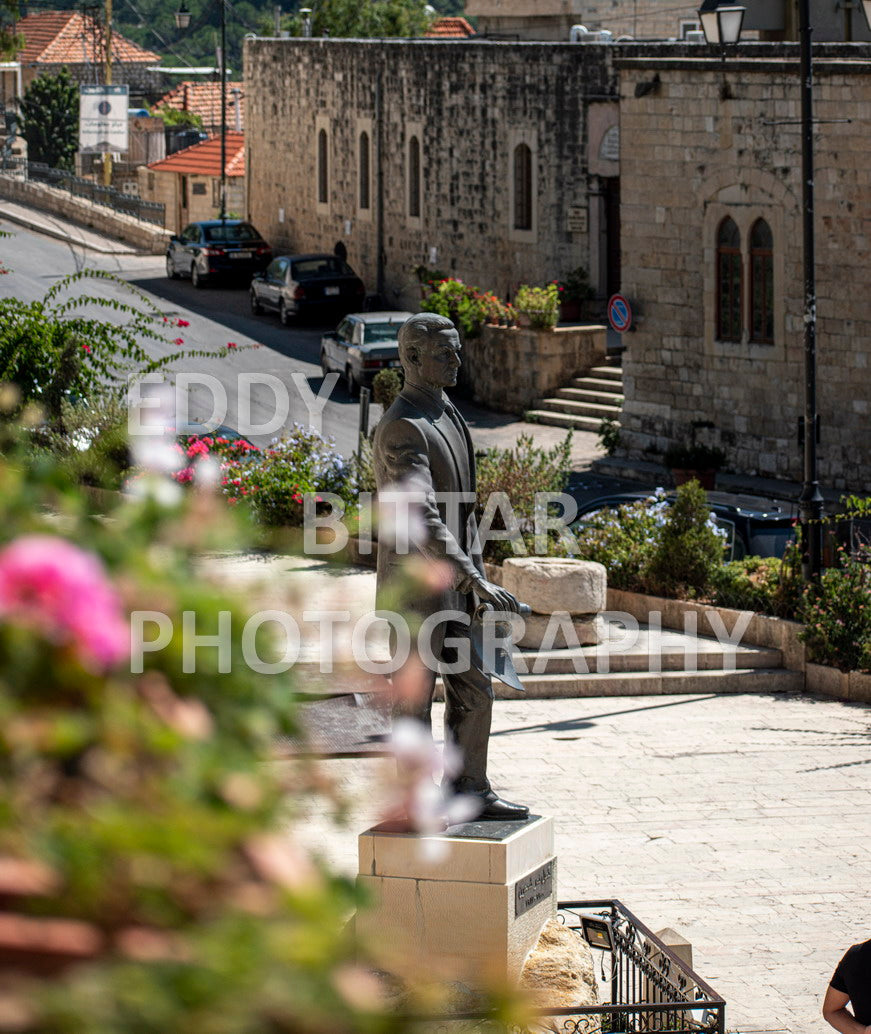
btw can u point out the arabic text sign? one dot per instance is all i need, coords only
(103, 118)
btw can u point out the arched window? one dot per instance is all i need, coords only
(728, 281)
(323, 170)
(761, 283)
(414, 177)
(364, 170)
(522, 187)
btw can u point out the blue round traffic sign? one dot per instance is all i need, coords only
(619, 313)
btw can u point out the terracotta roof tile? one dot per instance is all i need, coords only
(204, 99)
(68, 37)
(450, 28)
(204, 159)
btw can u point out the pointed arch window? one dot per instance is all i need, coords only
(364, 170)
(761, 283)
(522, 187)
(729, 281)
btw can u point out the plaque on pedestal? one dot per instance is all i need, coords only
(467, 904)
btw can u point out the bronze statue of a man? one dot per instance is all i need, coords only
(422, 442)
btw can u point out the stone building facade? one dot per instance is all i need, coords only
(704, 172)
(487, 161)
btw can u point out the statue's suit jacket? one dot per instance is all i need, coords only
(423, 443)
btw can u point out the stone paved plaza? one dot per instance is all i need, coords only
(742, 821)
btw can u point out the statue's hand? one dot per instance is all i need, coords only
(501, 598)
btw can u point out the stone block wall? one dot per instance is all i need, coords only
(510, 367)
(151, 239)
(469, 104)
(689, 158)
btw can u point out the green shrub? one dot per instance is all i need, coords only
(623, 539)
(766, 585)
(273, 481)
(539, 304)
(837, 615)
(520, 473)
(609, 435)
(468, 307)
(689, 547)
(386, 385)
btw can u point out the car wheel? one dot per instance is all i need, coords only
(197, 278)
(256, 307)
(283, 314)
(170, 269)
(351, 383)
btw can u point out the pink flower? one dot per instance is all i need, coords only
(63, 592)
(178, 341)
(197, 448)
(86, 348)
(232, 344)
(184, 476)
(182, 323)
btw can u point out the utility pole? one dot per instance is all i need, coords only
(107, 156)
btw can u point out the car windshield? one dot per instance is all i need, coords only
(375, 333)
(322, 265)
(231, 232)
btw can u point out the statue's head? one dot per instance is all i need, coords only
(429, 350)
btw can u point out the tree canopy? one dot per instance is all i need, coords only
(50, 115)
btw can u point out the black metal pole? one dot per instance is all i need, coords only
(811, 499)
(223, 4)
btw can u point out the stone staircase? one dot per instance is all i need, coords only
(587, 401)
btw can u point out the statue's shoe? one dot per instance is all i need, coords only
(493, 808)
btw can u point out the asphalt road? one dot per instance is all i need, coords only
(217, 315)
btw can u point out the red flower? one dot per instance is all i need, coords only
(232, 344)
(183, 323)
(86, 348)
(178, 341)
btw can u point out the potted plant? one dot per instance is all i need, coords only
(574, 293)
(537, 307)
(694, 460)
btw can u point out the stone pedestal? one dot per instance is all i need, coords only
(465, 905)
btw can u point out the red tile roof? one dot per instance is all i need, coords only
(450, 28)
(204, 99)
(68, 37)
(204, 159)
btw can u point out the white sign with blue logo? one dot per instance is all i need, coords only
(103, 118)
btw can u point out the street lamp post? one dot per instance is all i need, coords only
(182, 21)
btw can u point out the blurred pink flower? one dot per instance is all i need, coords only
(178, 341)
(63, 592)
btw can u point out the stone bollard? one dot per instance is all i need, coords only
(566, 593)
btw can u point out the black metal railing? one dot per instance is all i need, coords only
(644, 985)
(109, 197)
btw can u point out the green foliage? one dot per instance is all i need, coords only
(50, 119)
(89, 443)
(350, 19)
(175, 117)
(837, 614)
(59, 349)
(689, 548)
(609, 435)
(520, 473)
(576, 286)
(765, 585)
(468, 307)
(10, 41)
(539, 304)
(273, 481)
(694, 456)
(668, 549)
(386, 385)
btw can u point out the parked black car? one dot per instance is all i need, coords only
(216, 248)
(307, 286)
(757, 527)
